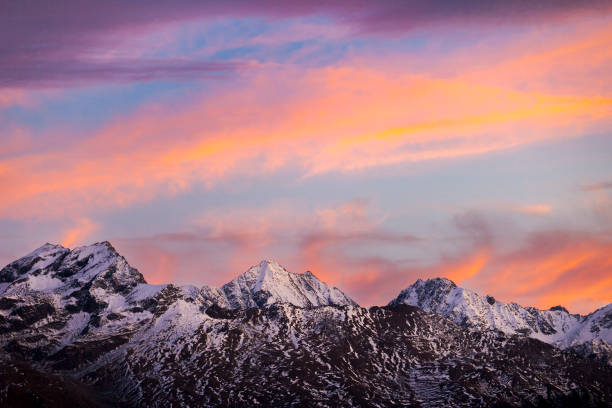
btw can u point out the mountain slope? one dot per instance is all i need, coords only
(349, 356)
(96, 323)
(53, 298)
(22, 386)
(463, 306)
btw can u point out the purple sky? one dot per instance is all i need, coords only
(373, 143)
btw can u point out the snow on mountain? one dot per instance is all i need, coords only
(62, 294)
(463, 306)
(596, 349)
(268, 283)
(596, 325)
(55, 268)
(214, 296)
(92, 290)
(37, 260)
(274, 338)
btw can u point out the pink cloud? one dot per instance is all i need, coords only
(78, 234)
(336, 119)
(535, 209)
(60, 54)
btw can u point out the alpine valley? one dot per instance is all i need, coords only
(82, 328)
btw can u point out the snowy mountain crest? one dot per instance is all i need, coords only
(87, 313)
(268, 282)
(100, 270)
(53, 268)
(96, 280)
(463, 306)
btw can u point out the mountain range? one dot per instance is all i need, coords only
(555, 326)
(82, 327)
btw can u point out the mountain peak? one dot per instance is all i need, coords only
(103, 247)
(44, 251)
(439, 281)
(266, 271)
(47, 246)
(39, 259)
(266, 262)
(425, 293)
(269, 282)
(463, 306)
(52, 267)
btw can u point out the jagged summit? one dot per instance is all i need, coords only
(268, 282)
(463, 306)
(440, 280)
(559, 307)
(96, 277)
(427, 294)
(53, 268)
(44, 248)
(87, 315)
(38, 259)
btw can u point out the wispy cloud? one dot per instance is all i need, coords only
(42, 73)
(74, 32)
(79, 233)
(316, 121)
(541, 268)
(605, 185)
(535, 209)
(400, 91)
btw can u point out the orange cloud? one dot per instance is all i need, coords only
(578, 279)
(343, 118)
(79, 233)
(557, 67)
(465, 269)
(535, 209)
(541, 269)
(552, 268)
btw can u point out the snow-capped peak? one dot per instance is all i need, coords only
(268, 282)
(44, 249)
(463, 306)
(95, 278)
(39, 259)
(53, 268)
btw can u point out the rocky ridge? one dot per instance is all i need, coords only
(88, 321)
(555, 326)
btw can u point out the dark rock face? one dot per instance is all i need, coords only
(333, 357)
(594, 350)
(84, 329)
(24, 386)
(560, 308)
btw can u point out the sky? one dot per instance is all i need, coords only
(372, 143)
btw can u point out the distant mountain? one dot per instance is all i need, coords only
(81, 327)
(555, 326)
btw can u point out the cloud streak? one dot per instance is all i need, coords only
(355, 115)
(48, 74)
(605, 185)
(74, 32)
(82, 230)
(384, 86)
(542, 268)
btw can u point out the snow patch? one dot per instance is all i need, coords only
(43, 282)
